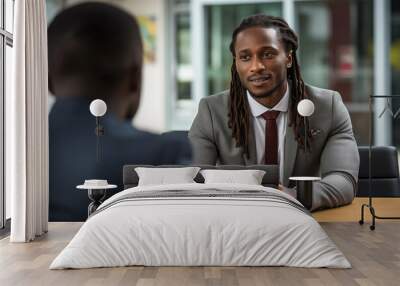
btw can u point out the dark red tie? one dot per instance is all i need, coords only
(271, 137)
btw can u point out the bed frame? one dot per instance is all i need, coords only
(270, 179)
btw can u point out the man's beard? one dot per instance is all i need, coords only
(269, 93)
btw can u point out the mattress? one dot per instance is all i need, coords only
(201, 225)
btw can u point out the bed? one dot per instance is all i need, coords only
(201, 224)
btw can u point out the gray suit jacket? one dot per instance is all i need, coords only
(334, 154)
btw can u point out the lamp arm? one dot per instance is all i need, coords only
(305, 134)
(99, 131)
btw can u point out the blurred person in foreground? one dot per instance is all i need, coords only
(95, 51)
(256, 120)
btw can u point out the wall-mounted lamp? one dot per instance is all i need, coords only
(98, 108)
(305, 108)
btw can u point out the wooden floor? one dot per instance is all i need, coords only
(374, 255)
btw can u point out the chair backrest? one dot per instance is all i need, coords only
(385, 180)
(181, 137)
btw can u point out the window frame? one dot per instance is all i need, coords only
(178, 110)
(6, 39)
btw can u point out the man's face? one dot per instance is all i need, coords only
(262, 62)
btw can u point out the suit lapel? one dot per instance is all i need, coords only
(252, 149)
(290, 151)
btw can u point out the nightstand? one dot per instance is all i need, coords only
(96, 192)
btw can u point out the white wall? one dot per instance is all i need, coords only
(152, 111)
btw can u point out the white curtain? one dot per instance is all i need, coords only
(27, 124)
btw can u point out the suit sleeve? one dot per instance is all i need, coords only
(339, 162)
(201, 136)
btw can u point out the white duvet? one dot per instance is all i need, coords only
(200, 231)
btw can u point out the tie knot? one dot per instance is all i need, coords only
(270, 115)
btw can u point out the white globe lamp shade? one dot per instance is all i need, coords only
(98, 107)
(305, 107)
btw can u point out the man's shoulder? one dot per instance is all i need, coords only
(218, 99)
(321, 94)
(142, 146)
(322, 98)
(328, 104)
(217, 104)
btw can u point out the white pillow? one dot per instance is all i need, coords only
(164, 176)
(248, 177)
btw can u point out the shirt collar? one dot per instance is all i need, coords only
(257, 109)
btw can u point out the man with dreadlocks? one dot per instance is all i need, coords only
(256, 121)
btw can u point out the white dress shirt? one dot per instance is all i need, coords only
(257, 110)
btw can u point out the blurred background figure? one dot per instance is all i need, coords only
(96, 51)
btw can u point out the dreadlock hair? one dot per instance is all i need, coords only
(239, 111)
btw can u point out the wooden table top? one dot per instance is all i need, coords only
(383, 207)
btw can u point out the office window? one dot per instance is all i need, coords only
(6, 62)
(9, 12)
(184, 72)
(336, 52)
(180, 102)
(395, 66)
